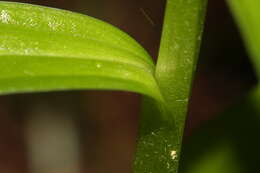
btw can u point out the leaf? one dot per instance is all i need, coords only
(46, 49)
(246, 13)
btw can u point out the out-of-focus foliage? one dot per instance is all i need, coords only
(246, 13)
(230, 143)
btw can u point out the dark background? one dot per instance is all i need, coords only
(107, 120)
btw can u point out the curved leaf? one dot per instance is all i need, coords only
(44, 49)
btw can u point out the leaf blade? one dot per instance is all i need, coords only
(246, 14)
(40, 47)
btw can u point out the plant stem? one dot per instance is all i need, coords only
(160, 139)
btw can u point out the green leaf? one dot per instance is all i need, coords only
(46, 49)
(246, 13)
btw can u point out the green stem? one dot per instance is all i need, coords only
(159, 144)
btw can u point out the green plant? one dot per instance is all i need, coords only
(44, 49)
(231, 138)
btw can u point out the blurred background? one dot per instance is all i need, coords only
(95, 131)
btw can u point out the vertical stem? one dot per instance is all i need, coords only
(179, 49)
(178, 54)
(159, 144)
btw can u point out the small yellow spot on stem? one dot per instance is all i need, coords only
(173, 154)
